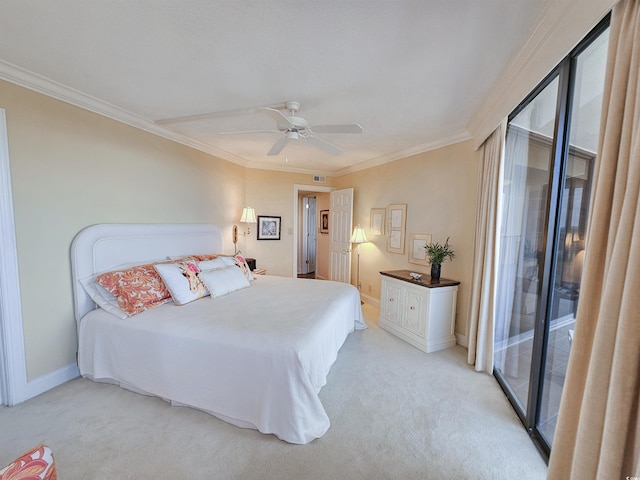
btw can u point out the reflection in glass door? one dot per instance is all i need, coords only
(571, 226)
(528, 156)
(550, 149)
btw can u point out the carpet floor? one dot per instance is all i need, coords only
(396, 413)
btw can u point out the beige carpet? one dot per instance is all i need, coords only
(396, 413)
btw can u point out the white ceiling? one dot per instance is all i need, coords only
(412, 73)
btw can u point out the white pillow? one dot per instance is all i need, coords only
(224, 280)
(182, 281)
(102, 297)
(229, 261)
(216, 263)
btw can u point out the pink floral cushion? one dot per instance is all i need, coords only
(241, 261)
(137, 288)
(33, 465)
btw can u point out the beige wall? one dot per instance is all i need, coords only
(272, 193)
(71, 168)
(439, 188)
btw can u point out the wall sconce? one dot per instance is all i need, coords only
(248, 217)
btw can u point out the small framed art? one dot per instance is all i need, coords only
(377, 221)
(417, 244)
(397, 218)
(324, 221)
(268, 228)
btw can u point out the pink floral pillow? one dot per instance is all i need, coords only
(35, 464)
(137, 288)
(244, 266)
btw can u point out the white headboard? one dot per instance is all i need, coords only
(99, 248)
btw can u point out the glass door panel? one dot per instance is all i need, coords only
(549, 155)
(528, 155)
(571, 227)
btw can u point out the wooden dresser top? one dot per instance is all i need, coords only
(424, 281)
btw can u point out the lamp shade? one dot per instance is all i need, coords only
(358, 235)
(248, 215)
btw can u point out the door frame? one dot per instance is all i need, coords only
(13, 370)
(297, 188)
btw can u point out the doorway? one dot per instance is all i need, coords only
(307, 244)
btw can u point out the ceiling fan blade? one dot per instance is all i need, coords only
(225, 113)
(323, 144)
(249, 131)
(278, 146)
(277, 115)
(203, 116)
(349, 128)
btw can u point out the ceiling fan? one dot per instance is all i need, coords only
(297, 128)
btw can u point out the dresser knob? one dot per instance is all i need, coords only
(412, 307)
(391, 299)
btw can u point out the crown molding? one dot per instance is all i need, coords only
(37, 83)
(559, 28)
(288, 169)
(458, 137)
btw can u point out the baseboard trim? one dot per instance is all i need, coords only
(462, 340)
(370, 300)
(51, 380)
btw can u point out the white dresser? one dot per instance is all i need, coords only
(422, 312)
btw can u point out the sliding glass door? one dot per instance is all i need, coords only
(550, 150)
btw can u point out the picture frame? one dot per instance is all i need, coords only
(376, 225)
(417, 252)
(396, 219)
(268, 227)
(324, 221)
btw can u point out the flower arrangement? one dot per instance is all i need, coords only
(437, 253)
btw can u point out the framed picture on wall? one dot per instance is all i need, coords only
(397, 218)
(417, 244)
(377, 221)
(324, 221)
(268, 228)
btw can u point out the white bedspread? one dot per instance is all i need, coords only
(255, 358)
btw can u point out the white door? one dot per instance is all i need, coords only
(340, 223)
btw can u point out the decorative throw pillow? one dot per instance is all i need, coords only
(36, 463)
(244, 266)
(181, 278)
(224, 280)
(215, 264)
(137, 288)
(102, 297)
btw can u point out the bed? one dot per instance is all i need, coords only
(256, 357)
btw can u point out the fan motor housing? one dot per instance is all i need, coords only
(296, 123)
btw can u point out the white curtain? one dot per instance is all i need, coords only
(483, 289)
(511, 246)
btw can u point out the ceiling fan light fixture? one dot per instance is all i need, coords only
(293, 135)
